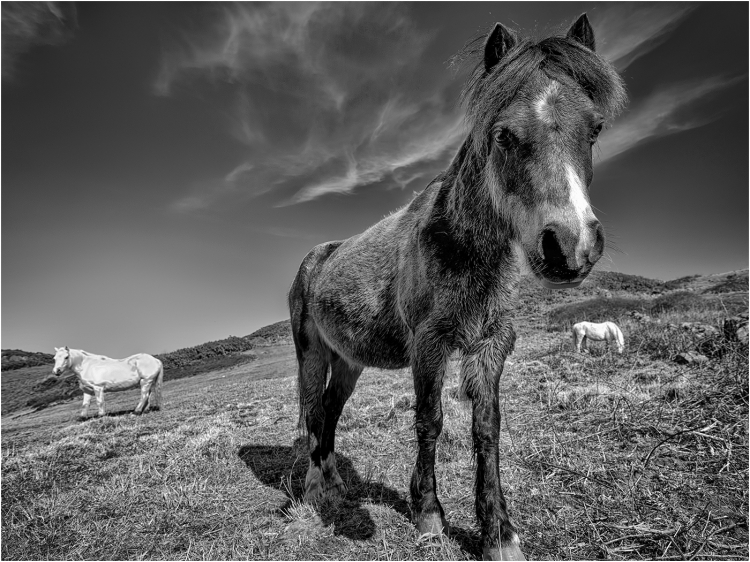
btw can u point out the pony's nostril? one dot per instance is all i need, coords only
(596, 251)
(552, 253)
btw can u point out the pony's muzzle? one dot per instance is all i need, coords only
(567, 256)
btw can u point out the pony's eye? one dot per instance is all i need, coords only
(504, 138)
(595, 132)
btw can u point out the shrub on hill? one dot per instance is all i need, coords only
(732, 283)
(598, 309)
(679, 301)
(207, 365)
(613, 281)
(176, 361)
(273, 334)
(680, 283)
(53, 389)
(601, 309)
(18, 359)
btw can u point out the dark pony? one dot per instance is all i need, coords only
(440, 274)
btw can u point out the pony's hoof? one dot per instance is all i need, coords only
(314, 485)
(431, 524)
(507, 552)
(318, 488)
(335, 488)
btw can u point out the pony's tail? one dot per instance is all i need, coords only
(154, 399)
(295, 300)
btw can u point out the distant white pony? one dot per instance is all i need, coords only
(606, 331)
(97, 373)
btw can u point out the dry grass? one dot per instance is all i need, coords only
(606, 456)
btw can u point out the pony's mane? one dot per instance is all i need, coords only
(558, 57)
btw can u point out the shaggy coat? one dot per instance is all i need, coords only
(440, 274)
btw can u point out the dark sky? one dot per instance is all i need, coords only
(166, 166)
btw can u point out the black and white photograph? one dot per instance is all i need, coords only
(375, 280)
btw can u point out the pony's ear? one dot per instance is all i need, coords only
(67, 348)
(56, 350)
(499, 42)
(582, 32)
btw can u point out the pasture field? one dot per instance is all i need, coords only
(605, 456)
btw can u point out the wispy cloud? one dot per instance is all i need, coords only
(27, 24)
(436, 140)
(326, 97)
(627, 31)
(663, 113)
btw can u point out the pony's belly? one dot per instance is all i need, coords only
(121, 384)
(364, 339)
(366, 344)
(112, 377)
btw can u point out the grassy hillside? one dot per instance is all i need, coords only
(604, 457)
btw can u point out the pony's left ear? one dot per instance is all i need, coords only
(499, 42)
(67, 348)
(582, 32)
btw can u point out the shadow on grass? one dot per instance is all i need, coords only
(117, 414)
(272, 464)
(285, 468)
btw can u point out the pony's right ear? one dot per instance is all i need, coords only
(499, 42)
(56, 350)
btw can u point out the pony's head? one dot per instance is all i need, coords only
(62, 360)
(535, 110)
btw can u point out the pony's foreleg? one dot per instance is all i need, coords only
(85, 406)
(343, 379)
(428, 369)
(481, 369)
(99, 391)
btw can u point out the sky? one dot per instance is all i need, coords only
(167, 166)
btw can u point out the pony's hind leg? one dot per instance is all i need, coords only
(313, 370)
(343, 379)
(146, 386)
(154, 399)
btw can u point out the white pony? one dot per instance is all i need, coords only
(97, 373)
(606, 331)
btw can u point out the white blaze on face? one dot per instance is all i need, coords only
(582, 209)
(544, 104)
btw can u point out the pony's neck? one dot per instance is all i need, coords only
(470, 204)
(76, 358)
